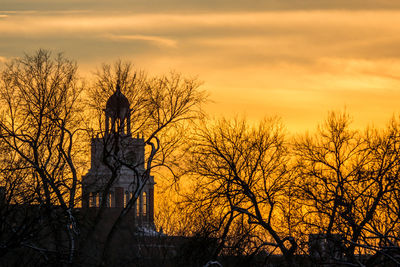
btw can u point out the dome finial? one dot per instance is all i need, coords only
(118, 86)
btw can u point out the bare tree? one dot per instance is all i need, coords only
(381, 235)
(240, 172)
(343, 178)
(39, 125)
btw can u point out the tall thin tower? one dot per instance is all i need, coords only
(118, 160)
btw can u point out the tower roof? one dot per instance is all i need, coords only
(117, 105)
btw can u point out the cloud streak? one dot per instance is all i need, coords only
(203, 6)
(152, 39)
(283, 20)
(291, 62)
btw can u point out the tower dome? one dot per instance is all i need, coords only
(117, 105)
(118, 112)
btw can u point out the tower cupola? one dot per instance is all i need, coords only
(118, 113)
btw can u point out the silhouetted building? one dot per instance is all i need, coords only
(117, 143)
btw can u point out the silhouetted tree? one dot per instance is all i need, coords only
(39, 125)
(241, 175)
(344, 177)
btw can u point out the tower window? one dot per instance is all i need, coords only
(138, 206)
(126, 198)
(91, 204)
(110, 200)
(144, 204)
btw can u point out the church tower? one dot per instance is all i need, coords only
(118, 161)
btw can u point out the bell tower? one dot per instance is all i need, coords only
(117, 147)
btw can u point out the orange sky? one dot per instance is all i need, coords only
(297, 61)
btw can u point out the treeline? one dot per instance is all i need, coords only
(245, 193)
(327, 197)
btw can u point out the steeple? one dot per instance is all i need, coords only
(118, 113)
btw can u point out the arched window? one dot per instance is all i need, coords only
(98, 199)
(138, 206)
(126, 198)
(91, 204)
(144, 204)
(110, 200)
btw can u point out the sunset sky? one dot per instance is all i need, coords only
(290, 58)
